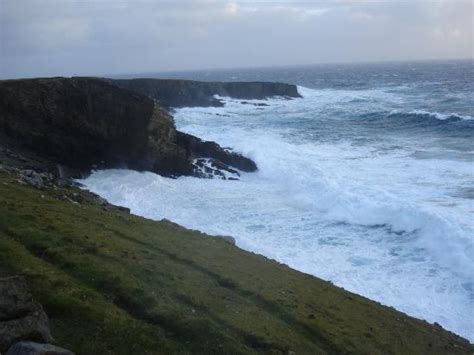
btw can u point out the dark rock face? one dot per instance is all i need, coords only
(78, 121)
(181, 93)
(209, 168)
(20, 316)
(86, 123)
(196, 147)
(31, 348)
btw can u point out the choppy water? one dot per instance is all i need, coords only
(367, 181)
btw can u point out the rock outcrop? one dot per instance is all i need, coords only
(20, 316)
(181, 93)
(80, 122)
(195, 147)
(84, 123)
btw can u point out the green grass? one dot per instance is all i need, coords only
(114, 283)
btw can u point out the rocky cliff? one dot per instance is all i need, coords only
(180, 93)
(87, 122)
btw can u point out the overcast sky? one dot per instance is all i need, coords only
(85, 37)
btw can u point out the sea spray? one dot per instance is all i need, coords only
(366, 186)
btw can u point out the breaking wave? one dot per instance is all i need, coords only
(426, 114)
(339, 194)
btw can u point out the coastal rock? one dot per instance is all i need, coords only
(78, 121)
(209, 168)
(196, 147)
(36, 179)
(20, 316)
(186, 93)
(227, 238)
(88, 123)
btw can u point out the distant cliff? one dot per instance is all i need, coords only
(82, 122)
(181, 93)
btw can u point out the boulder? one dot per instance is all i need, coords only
(15, 298)
(36, 179)
(31, 348)
(20, 316)
(227, 238)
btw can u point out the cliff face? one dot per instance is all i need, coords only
(181, 93)
(83, 122)
(78, 121)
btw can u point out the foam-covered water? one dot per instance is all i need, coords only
(368, 185)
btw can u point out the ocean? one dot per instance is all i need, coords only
(366, 181)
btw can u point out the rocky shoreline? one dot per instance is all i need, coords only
(88, 123)
(114, 283)
(187, 93)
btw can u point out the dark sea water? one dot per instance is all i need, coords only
(367, 181)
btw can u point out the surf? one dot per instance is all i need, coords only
(359, 186)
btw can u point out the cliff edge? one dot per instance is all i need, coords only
(88, 122)
(187, 93)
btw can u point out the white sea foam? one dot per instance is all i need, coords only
(373, 220)
(437, 115)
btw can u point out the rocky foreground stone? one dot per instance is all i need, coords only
(20, 316)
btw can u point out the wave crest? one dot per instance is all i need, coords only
(428, 114)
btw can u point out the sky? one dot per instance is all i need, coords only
(101, 37)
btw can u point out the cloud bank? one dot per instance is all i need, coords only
(86, 37)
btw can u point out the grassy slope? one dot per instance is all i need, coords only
(117, 283)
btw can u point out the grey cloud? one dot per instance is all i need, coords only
(60, 37)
